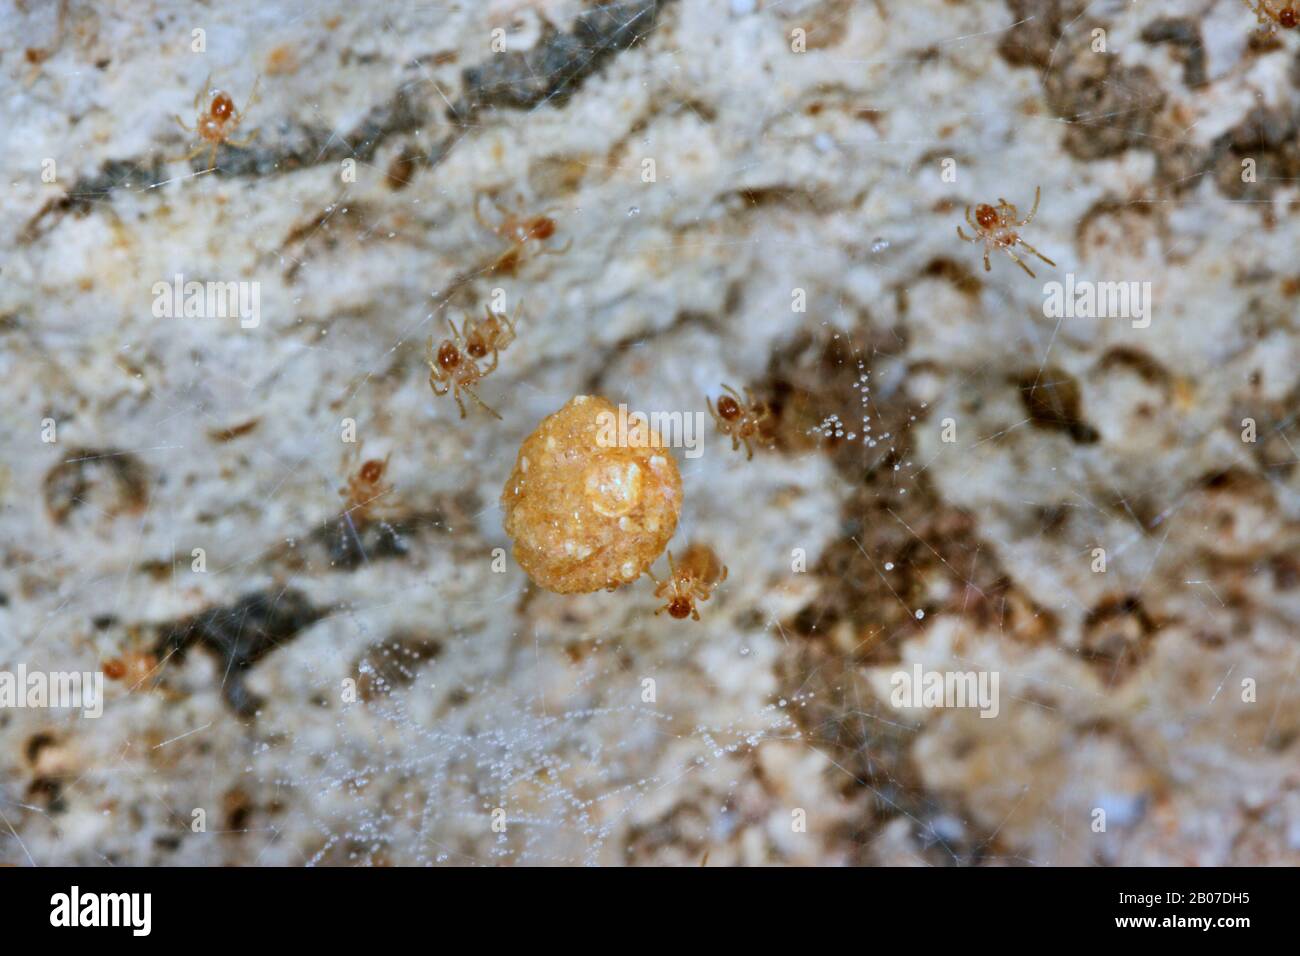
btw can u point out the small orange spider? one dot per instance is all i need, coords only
(740, 418)
(693, 580)
(518, 231)
(1270, 18)
(454, 366)
(490, 334)
(365, 483)
(361, 530)
(215, 123)
(996, 226)
(133, 667)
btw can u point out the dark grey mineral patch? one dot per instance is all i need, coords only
(556, 67)
(241, 634)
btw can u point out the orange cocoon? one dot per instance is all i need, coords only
(589, 505)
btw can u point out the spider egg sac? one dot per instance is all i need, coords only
(586, 512)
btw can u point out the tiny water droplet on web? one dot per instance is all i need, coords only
(919, 614)
(633, 211)
(879, 245)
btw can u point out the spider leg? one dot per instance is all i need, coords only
(987, 267)
(180, 122)
(207, 85)
(504, 338)
(1037, 253)
(190, 155)
(734, 394)
(252, 98)
(749, 451)
(1017, 260)
(493, 366)
(507, 216)
(486, 407)
(966, 237)
(1033, 212)
(240, 143)
(970, 222)
(546, 250)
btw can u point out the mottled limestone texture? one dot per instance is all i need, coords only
(332, 659)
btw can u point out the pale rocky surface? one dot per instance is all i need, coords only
(775, 171)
